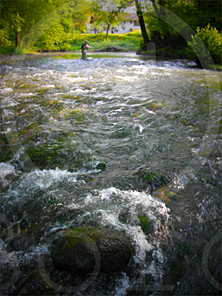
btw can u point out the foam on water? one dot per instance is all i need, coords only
(6, 90)
(29, 94)
(120, 210)
(7, 173)
(106, 208)
(45, 179)
(8, 102)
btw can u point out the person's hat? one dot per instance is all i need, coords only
(87, 41)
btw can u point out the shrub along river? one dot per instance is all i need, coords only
(115, 142)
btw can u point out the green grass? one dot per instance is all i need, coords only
(219, 67)
(128, 41)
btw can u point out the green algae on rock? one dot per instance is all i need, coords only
(81, 249)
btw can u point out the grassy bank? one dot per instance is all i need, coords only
(128, 41)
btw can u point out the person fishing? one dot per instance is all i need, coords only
(84, 49)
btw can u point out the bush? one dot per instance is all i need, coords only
(7, 50)
(18, 51)
(213, 50)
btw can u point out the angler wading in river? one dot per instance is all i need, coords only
(84, 49)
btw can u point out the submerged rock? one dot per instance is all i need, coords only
(111, 49)
(84, 250)
(150, 181)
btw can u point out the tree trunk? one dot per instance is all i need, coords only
(18, 40)
(141, 21)
(12, 41)
(155, 8)
(161, 16)
(107, 31)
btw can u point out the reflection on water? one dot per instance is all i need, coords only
(105, 141)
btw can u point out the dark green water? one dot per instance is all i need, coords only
(106, 141)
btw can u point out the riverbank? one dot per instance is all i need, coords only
(11, 58)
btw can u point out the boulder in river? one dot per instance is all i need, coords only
(83, 250)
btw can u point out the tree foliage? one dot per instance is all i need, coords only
(160, 18)
(53, 21)
(65, 19)
(166, 31)
(108, 12)
(209, 11)
(206, 45)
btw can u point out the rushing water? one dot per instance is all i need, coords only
(112, 141)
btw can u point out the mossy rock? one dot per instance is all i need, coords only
(82, 250)
(146, 224)
(151, 180)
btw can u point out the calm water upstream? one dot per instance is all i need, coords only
(118, 142)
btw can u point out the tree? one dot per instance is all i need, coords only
(108, 13)
(56, 30)
(18, 17)
(23, 22)
(186, 10)
(161, 22)
(196, 13)
(12, 20)
(105, 13)
(141, 22)
(209, 11)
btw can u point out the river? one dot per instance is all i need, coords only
(112, 141)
